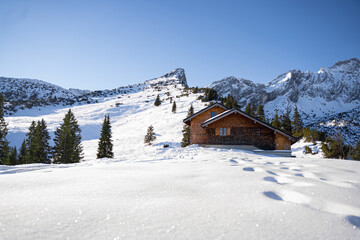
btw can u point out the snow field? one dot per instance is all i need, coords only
(182, 193)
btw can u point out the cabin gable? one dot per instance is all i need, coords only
(197, 132)
(240, 130)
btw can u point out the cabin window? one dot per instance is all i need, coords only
(213, 114)
(223, 132)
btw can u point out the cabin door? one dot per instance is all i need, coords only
(280, 143)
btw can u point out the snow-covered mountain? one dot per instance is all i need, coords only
(15, 89)
(320, 96)
(23, 93)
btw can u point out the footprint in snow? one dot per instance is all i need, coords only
(273, 196)
(272, 173)
(354, 220)
(270, 179)
(248, 169)
(233, 161)
(279, 180)
(288, 196)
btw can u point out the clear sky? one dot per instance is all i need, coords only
(106, 44)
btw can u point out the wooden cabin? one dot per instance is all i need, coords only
(218, 125)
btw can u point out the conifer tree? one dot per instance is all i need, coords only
(252, 110)
(191, 111)
(356, 153)
(260, 114)
(67, 141)
(186, 130)
(297, 123)
(276, 122)
(174, 107)
(334, 147)
(157, 101)
(210, 95)
(248, 109)
(230, 102)
(38, 143)
(13, 160)
(150, 135)
(286, 122)
(105, 147)
(4, 144)
(23, 157)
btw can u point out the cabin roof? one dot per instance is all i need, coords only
(231, 111)
(188, 119)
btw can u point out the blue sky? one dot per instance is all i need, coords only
(106, 44)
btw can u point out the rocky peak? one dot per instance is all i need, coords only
(177, 76)
(350, 65)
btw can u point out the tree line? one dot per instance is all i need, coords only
(67, 142)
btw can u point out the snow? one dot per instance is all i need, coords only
(175, 193)
(152, 192)
(298, 149)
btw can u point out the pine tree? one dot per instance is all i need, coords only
(334, 147)
(260, 114)
(4, 144)
(230, 102)
(248, 109)
(38, 143)
(252, 110)
(191, 111)
(105, 147)
(13, 160)
(157, 101)
(174, 107)
(276, 122)
(23, 157)
(286, 122)
(356, 153)
(297, 123)
(186, 130)
(150, 135)
(67, 141)
(210, 95)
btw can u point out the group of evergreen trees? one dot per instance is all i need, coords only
(67, 142)
(284, 122)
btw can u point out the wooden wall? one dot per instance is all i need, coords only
(282, 142)
(243, 131)
(198, 133)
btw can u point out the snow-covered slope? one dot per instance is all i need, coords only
(318, 95)
(180, 193)
(23, 94)
(132, 110)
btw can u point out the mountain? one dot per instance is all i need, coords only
(320, 96)
(21, 93)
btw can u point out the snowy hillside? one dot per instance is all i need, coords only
(320, 96)
(23, 94)
(152, 192)
(131, 111)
